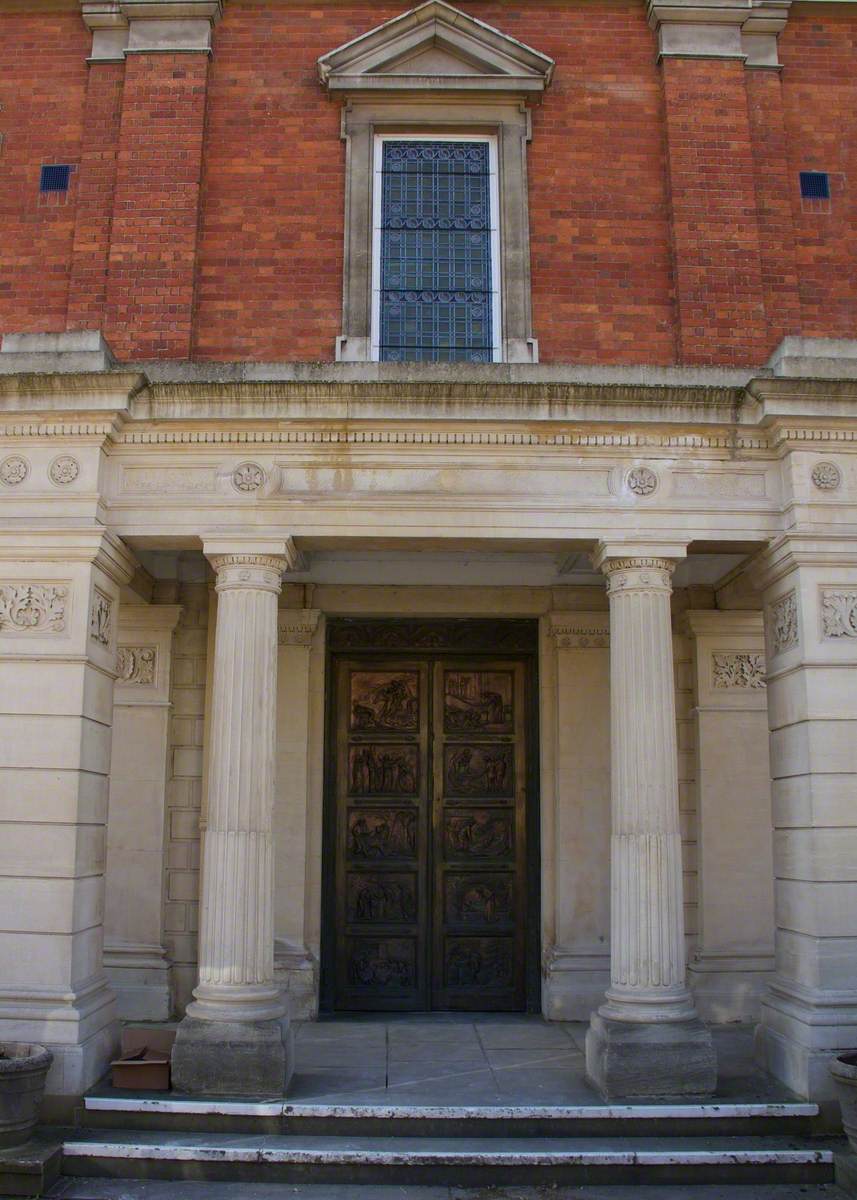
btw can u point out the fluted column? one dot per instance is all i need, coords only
(233, 1039)
(646, 1039)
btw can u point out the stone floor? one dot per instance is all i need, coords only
(485, 1060)
(118, 1189)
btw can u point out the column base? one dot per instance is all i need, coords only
(233, 1058)
(636, 1060)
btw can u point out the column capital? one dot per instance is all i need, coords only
(628, 554)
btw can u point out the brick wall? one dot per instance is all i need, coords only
(205, 216)
(42, 86)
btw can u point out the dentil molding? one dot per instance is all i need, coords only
(295, 627)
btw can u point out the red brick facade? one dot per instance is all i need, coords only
(205, 214)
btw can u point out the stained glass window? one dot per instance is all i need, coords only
(436, 277)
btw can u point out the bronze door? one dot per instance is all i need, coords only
(430, 834)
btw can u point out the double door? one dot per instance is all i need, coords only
(429, 774)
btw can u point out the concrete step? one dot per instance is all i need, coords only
(171, 1113)
(463, 1161)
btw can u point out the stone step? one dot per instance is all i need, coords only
(112, 1110)
(461, 1161)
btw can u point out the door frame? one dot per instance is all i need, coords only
(383, 639)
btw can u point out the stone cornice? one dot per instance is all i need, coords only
(746, 30)
(121, 27)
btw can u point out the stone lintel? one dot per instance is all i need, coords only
(713, 622)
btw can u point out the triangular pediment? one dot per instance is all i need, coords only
(433, 47)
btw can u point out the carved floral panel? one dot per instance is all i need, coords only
(33, 608)
(478, 700)
(382, 770)
(479, 770)
(839, 612)
(101, 618)
(783, 623)
(737, 669)
(378, 834)
(384, 701)
(136, 664)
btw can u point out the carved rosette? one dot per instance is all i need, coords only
(638, 574)
(839, 612)
(264, 571)
(782, 623)
(33, 608)
(296, 627)
(642, 481)
(248, 477)
(737, 669)
(63, 470)
(14, 470)
(136, 664)
(826, 476)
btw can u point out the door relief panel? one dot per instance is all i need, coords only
(429, 761)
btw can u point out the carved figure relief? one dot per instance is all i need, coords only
(737, 669)
(386, 898)
(826, 476)
(483, 962)
(478, 700)
(381, 964)
(382, 770)
(839, 612)
(100, 620)
(136, 664)
(14, 470)
(382, 833)
(32, 608)
(478, 833)
(783, 623)
(479, 770)
(384, 700)
(63, 470)
(479, 900)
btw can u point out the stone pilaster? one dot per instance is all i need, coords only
(809, 1012)
(646, 1039)
(234, 1038)
(134, 957)
(734, 955)
(59, 600)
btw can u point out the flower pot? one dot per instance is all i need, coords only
(23, 1069)
(844, 1071)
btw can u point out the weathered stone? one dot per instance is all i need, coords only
(645, 1060)
(232, 1058)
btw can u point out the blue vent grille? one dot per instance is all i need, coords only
(436, 302)
(55, 178)
(815, 185)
